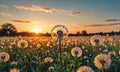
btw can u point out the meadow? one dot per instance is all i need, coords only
(42, 54)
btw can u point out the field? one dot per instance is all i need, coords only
(43, 54)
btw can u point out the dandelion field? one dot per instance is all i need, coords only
(59, 36)
(43, 55)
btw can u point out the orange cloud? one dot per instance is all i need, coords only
(43, 9)
(35, 8)
(5, 14)
(99, 25)
(3, 6)
(75, 13)
(21, 21)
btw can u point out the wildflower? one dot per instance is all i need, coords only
(96, 40)
(76, 52)
(85, 69)
(48, 59)
(14, 70)
(22, 44)
(4, 57)
(51, 69)
(102, 61)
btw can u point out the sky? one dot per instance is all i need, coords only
(77, 15)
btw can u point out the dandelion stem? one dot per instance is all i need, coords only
(60, 55)
(75, 63)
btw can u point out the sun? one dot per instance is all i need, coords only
(37, 30)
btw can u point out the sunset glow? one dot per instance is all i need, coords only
(36, 30)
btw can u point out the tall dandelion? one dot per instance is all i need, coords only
(85, 69)
(59, 33)
(102, 61)
(76, 52)
(4, 57)
(23, 44)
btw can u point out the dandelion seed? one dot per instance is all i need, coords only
(102, 60)
(4, 57)
(85, 69)
(76, 52)
(22, 44)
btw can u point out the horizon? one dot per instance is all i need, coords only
(41, 16)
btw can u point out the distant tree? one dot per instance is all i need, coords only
(78, 33)
(84, 32)
(8, 29)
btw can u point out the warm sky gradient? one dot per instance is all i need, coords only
(76, 15)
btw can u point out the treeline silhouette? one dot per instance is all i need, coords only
(9, 29)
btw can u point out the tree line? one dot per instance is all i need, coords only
(9, 29)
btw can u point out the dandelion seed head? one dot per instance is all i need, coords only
(59, 32)
(85, 69)
(4, 56)
(14, 70)
(102, 59)
(22, 44)
(96, 40)
(51, 69)
(76, 52)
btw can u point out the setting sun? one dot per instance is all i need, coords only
(36, 30)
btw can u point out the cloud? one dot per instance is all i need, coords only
(99, 25)
(75, 13)
(44, 9)
(112, 20)
(3, 6)
(21, 21)
(5, 14)
(35, 8)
